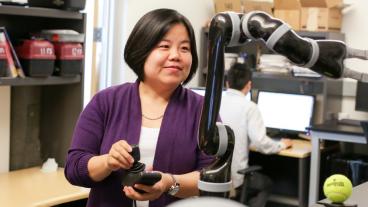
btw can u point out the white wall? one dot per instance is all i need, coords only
(88, 52)
(355, 27)
(129, 11)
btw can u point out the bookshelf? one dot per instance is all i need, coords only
(40, 113)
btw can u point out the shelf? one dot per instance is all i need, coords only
(39, 12)
(28, 81)
(288, 83)
(286, 76)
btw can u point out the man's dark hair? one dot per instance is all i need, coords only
(148, 32)
(239, 75)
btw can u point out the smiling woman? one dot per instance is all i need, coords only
(170, 61)
(156, 113)
(150, 32)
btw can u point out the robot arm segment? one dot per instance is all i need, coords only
(357, 53)
(215, 138)
(222, 32)
(322, 56)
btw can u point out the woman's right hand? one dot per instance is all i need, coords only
(119, 157)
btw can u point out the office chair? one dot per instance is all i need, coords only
(364, 125)
(247, 172)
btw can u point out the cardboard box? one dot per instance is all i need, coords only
(288, 11)
(254, 5)
(228, 5)
(321, 15)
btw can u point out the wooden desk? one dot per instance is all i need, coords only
(301, 150)
(31, 187)
(358, 196)
(329, 131)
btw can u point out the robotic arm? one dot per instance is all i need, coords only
(325, 57)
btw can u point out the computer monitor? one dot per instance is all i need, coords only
(202, 91)
(286, 112)
(361, 97)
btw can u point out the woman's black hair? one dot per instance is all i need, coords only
(148, 32)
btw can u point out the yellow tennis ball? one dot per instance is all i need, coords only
(337, 188)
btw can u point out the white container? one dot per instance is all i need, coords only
(49, 166)
(230, 59)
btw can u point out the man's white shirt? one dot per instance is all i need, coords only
(246, 121)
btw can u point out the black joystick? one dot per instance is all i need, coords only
(137, 175)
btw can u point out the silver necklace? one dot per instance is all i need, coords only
(149, 118)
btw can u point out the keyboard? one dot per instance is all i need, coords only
(277, 139)
(280, 135)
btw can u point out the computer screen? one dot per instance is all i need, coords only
(202, 91)
(286, 112)
(361, 97)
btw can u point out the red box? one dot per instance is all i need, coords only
(37, 57)
(69, 58)
(3, 62)
(72, 5)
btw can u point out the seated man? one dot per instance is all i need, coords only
(245, 119)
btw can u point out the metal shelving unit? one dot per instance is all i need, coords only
(29, 81)
(39, 12)
(43, 110)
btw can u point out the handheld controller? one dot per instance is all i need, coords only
(137, 175)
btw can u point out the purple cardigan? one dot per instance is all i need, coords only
(114, 114)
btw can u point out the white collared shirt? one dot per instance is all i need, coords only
(245, 119)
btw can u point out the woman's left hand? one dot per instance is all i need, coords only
(152, 192)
